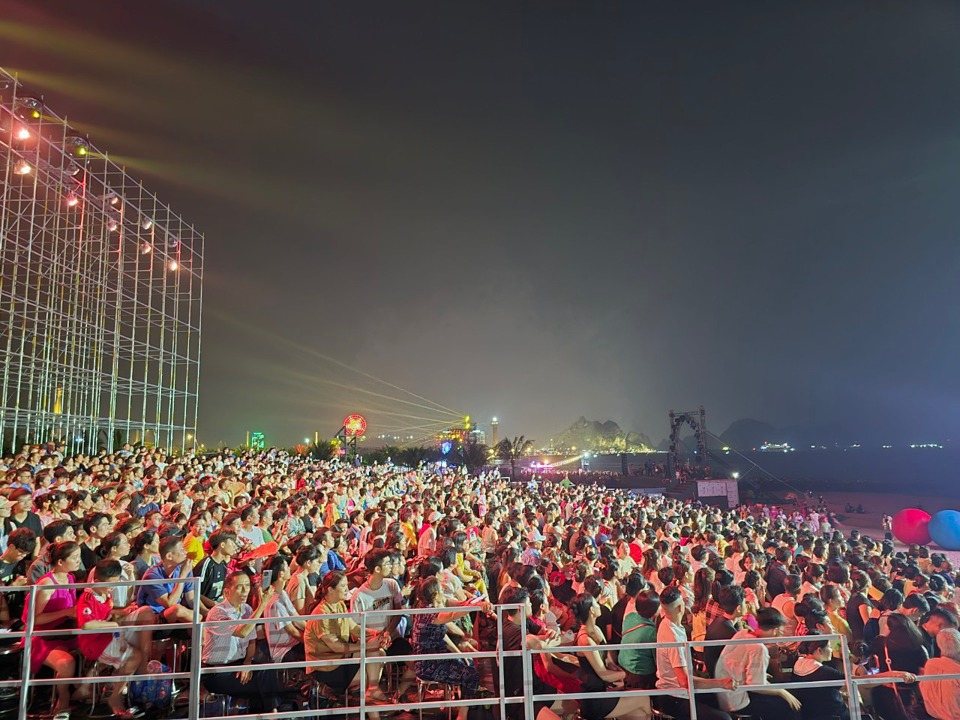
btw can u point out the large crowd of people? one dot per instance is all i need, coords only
(268, 535)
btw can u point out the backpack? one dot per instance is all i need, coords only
(155, 693)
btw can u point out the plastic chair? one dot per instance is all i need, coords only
(424, 686)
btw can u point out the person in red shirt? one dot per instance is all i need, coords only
(95, 612)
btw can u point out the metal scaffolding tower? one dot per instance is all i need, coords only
(100, 293)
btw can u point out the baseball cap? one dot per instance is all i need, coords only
(535, 536)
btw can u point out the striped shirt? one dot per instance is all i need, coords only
(220, 645)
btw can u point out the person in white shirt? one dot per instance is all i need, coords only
(747, 664)
(382, 592)
(671, 667)
(249, 531)
(284, 637)
(941, 698)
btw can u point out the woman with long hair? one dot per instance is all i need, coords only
(650, 568)
(145, 548)
(702, 592)
(326, 639)
(430, 637)
(301, 591)
(859, 607)
(901, 649)
(595, 673)
(813, 665)
(55, 607)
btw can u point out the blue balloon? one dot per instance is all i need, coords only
(945, 529)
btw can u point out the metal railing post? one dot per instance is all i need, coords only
(27, 647)
(363, 665)
(527, 662)
(688, 661)
(503, 689)
(853, 690)
(196, 657)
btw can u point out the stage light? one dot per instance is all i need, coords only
(112, 198)
(173, 265)
(147, 223)
(76, 145)
(28, 108)
(113, 225)
(72, 200)
(23, 168)
(146, 248)
(23, 134)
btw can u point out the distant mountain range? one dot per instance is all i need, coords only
(746, 434)
(601, 437)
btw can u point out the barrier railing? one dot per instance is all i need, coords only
(194, 676)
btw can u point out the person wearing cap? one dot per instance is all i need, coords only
(531, 555)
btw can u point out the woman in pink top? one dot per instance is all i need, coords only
(55, 608)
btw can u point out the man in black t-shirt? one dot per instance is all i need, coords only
(213, 569)
(777, 571)
(13, 569)
(730, 599)
(513, 640)
(22, 515)
(97, 527)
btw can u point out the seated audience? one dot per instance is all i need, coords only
(747, 664)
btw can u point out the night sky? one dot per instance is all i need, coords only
(541, 210)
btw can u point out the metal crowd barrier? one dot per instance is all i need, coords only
(197, 670)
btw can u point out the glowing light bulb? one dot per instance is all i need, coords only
(173, 265)
(23, 134)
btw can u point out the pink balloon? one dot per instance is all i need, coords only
(910, 526)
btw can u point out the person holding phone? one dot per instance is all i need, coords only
(284, 637)
(232, 646)
(824, 703)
